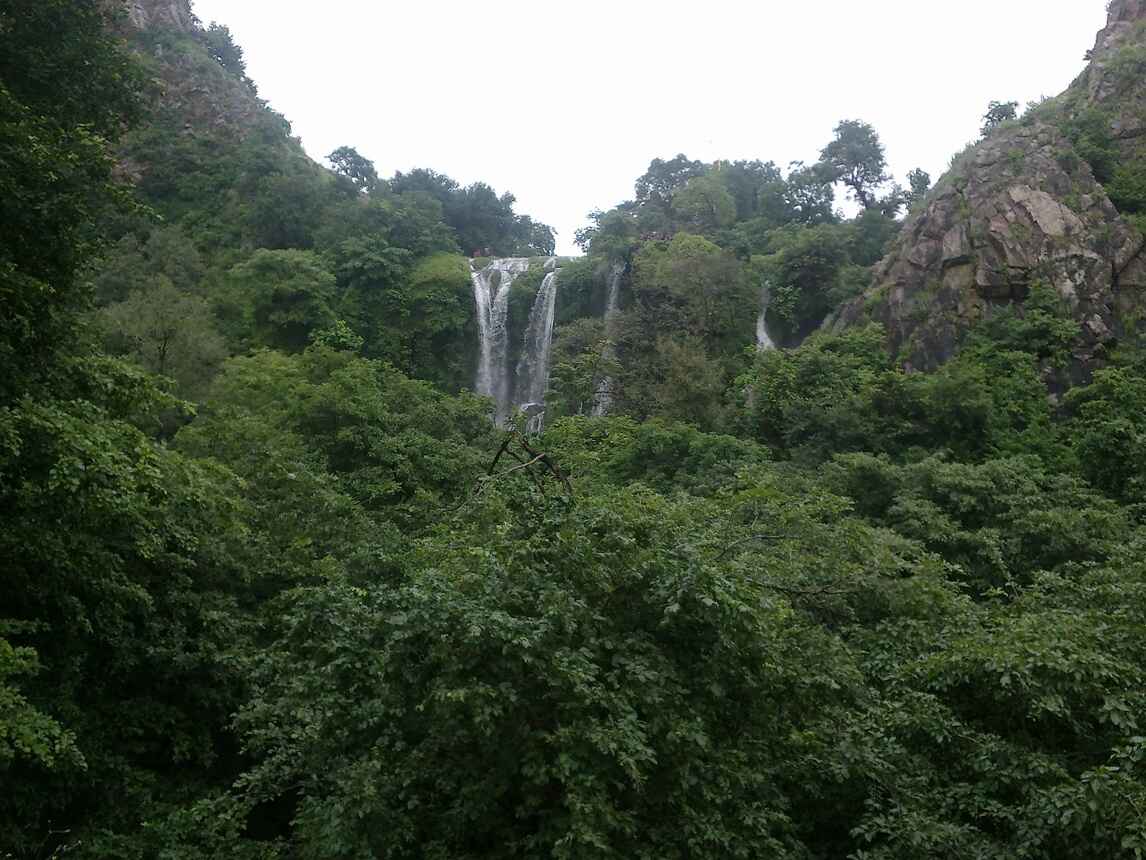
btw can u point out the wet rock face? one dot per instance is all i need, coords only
(147, 14)
(1017, 209)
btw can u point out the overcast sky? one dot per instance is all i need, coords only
(565, 102)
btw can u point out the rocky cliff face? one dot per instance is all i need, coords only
(170, 14)
(1025, 207)
(1110, 81)
(209, 146)
(196, 95)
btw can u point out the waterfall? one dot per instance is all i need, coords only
(532, 376)
(613, 302)
(491, 297)
(525, 387)
(763, 339)
(603, 398)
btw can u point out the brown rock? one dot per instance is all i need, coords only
(1021, 208)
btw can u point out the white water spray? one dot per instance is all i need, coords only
(491, 297)
(525, 386)
(532, 377)
(763, 339)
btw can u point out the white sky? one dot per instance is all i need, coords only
(565, 102)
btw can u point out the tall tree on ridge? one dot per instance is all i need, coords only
(856, 158)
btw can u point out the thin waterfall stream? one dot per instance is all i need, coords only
(763, 339)
(603, 398)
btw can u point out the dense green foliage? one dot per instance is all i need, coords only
(273, 588)
(57, 177)
(278, 249)
(704, 247)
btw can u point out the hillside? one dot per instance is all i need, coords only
(342, 520)
(251, 243)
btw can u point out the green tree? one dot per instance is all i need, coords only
(288, 295)
(221, 45)
(371, 276)
(423, 181)
(483, 220)
(579, 365)
(540, 239)
(756, 187)
(414, 221)
(356, 169)
(809, 195)
(443, 341)
(67, 88)
(415, 315)
(572, 684)
(856, 158)
(871, 232)
(704, 202)
(704, 284)
(690, 384)
(610, 234)
(664, 178)
(919, 181)
(1106, 431)
(25, 732)
(997, 114)
(804, 269)
(398, 447)
(118, 559)
(815, 400)
(168, 333)
(137, 260)
(288, 208)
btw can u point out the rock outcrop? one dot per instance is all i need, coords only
(170, 14)
(196, 96)
(1019, 208)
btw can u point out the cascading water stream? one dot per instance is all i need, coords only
(525, 387)
(763, 339)
(532, 376)
(603, 399)
(491, 297)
